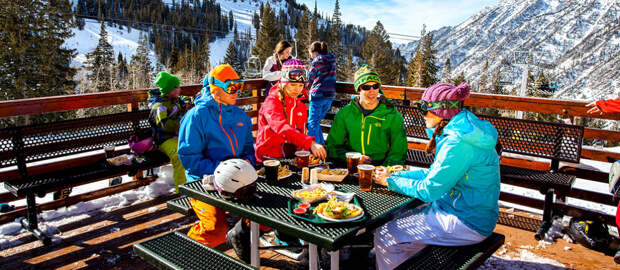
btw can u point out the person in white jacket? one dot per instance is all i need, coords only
(273, 65)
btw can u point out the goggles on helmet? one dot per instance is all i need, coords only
(296, 75)
(424, 106)
(230, 87)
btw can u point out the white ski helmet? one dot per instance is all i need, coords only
(235, 178)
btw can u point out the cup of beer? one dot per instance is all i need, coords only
(271, 171)
(303, 158)
(353, 159)
(109, 150)
(366, 171)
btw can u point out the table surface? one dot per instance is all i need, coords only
(271, 209)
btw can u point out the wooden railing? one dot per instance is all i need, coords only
(132, 98)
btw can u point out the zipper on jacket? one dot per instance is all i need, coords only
(223, 129)
(292, 112)
(369, 132)
(234, 136)
(458, 196)
(363, 120)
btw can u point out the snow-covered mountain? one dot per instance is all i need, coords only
(577, 41)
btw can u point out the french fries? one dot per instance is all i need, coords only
(311, 194)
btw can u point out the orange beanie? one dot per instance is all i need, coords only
(223, 73)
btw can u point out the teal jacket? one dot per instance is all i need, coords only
(464, 179)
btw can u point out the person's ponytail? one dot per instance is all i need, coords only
(432, 144)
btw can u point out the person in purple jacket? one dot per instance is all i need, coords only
(322, 85)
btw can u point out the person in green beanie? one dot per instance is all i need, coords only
(369, 124)
(167, 109)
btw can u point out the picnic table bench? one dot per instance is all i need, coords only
(380, 205)
(21, 146)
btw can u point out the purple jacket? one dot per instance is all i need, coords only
(322, 76)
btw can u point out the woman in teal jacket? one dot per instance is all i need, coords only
(462, 185)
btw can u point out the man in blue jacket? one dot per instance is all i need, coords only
(214, 130)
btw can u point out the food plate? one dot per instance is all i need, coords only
(313, 193)
(279, 178)
(315, 218)
(333, 175)
(283, 172)
(343, 220)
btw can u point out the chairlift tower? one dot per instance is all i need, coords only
(525, 60)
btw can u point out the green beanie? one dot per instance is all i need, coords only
(166, 82)
(363, 75)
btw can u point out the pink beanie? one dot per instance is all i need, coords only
(289, 65)
(446, 91)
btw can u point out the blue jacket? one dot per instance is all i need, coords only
(210, 133)
(322, 76)
(464, 179)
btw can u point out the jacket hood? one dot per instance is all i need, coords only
(473, 130)
(205, 97)
(325, 59)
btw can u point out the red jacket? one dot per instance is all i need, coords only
(609, 106)
(275, 127)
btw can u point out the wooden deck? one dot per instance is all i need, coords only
(104, 241)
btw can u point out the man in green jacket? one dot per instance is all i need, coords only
(370, 125)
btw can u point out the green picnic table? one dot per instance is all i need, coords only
(271, 209)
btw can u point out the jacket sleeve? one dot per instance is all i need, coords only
(609, 106)
(450, 165)
(248, 147)
(168, 124)
(337, 138)
(267, 73)
(192, 144)
(274, 115)
(313, 72)
(398, 142)
(403, 182)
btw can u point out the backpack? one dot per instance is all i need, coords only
(590, 232)
(141, 141)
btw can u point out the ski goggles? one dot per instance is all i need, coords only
(367, 87)
(230, 87)
(424, 106)
(296, 75)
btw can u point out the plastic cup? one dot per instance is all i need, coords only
(271, 170)
(300, 211)
(353, 159)
(365, 180)
(109, 151)
(303, 158)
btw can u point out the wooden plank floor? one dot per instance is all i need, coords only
(104, 241)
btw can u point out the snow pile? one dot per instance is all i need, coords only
(525, 260)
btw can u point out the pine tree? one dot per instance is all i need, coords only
(482, 85)
(378, 53)
(335, 42)
(422, 69)
(122, 72)
(232, 57)
(268, 35)
(34, 61)
(459, 79)
(445, 74)
(496, 86)
(350, 68)
(140, 66)
(314, 25)
(99, 63)
(173, 59)
(303, 36)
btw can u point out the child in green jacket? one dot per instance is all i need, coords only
(370, 125)
(167, 110)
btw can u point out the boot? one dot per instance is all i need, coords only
(239, 239)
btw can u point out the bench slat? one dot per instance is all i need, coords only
(175, 250)
(181, 205)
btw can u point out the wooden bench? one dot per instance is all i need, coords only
(553, 141)
(445, 258)
(175, 250)
(21, 146)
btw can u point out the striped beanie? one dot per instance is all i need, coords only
(363, 75)
(291, 64)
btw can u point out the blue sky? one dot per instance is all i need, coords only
(403, 16)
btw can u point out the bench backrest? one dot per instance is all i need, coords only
(45, 141)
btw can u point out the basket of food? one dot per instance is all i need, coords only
(332, 175)
(389, 169)
(313, 193)
(124, 159)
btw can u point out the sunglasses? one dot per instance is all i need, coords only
(231, 87)
(296, 75)
(424, 106)
(367, 87)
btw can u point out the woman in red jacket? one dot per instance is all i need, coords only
(283, 117)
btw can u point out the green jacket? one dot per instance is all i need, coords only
(165, 117)
(380, 135)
